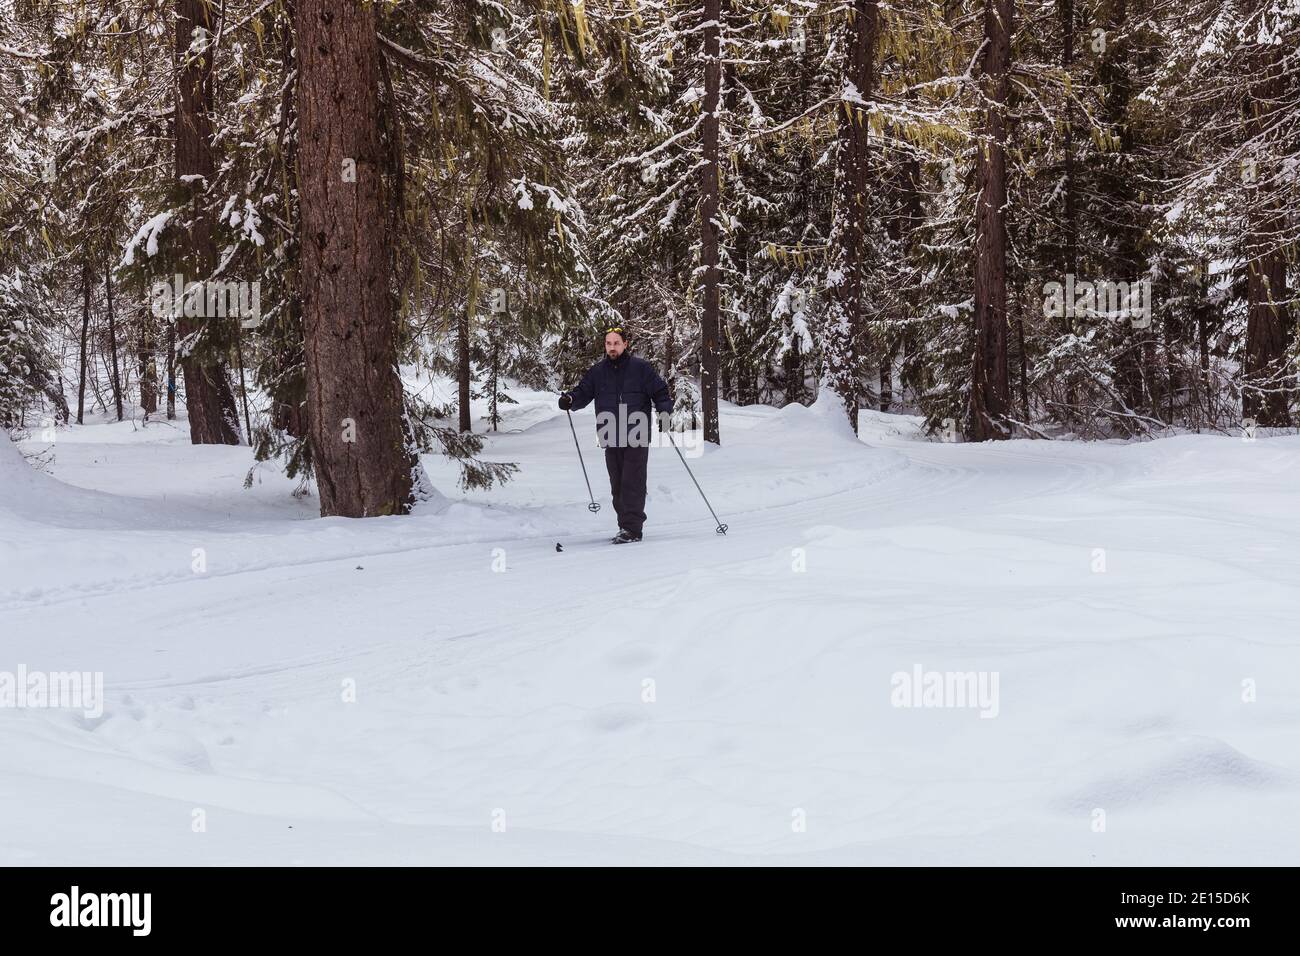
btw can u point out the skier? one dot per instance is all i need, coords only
(624, 387)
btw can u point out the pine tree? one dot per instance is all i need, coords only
(363, 461)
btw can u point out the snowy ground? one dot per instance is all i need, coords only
(504, 716)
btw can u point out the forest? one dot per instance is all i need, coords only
(1048, 219)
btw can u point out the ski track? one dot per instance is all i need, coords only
(520, 695)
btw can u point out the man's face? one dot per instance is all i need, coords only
(614, 344)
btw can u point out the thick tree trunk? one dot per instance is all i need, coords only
(112, 339)
(709, 190)
(1264, 393)
(990, 393)
(1265, 397)
(209, 400)
(363, 462)
(85, 335)
(848, 234)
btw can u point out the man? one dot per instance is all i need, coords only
(624, 387)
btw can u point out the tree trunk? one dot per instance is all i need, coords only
(848, 233)
(1118, 189)
(792, 374)
(1070, 226)
(792, 368)
(905, 217)
(363, 462)
(209, 401)
(463, 370)
(710, 173)
(85, 335)
(670, 358)
(1265, 397)
(147, 370)
(990, 393)
(171, 371)
(1069, 264)
(1203, 310)
(886, 381)
(243, 384)
(112, 339)
(911, 223)
(494, 418)
(1023, 358)
(726, 366)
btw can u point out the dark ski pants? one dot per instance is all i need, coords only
(627, 471)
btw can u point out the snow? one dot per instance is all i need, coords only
(252, 219)
(148, 234)
(519, 696)
(521, 191)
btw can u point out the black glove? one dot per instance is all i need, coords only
(665, 421)
(566, 401)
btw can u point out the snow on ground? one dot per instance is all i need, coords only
(691, 699)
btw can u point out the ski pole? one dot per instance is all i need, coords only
(721, 528)
(593, 507)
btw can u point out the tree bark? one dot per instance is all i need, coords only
(112, 338)
(1069, 264)
(904, 218)
(171, 371)
(709, 195)
(463, 371)
(1117, 188)
(848, 234)
(1070, 226)
(908, 376)
(209, 400)
(990, 393)
(146, 368)
(792, 364)
(1203, 311)
(363, 462)
(85, 335)
(1265, 397)
(243, 384)
(1022, 356)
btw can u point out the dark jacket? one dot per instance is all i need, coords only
(630, 381)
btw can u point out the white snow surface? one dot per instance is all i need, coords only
(503, 716)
